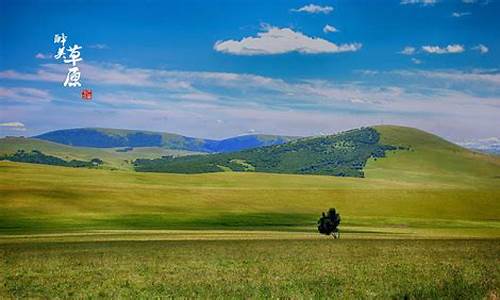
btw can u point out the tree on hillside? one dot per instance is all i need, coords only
(96, 161)
(328, 223)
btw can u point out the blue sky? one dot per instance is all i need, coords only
(222, 68)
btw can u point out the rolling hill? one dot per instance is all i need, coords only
(430, 158)
(115, 158)
(430, 186)
(111, 138)
(343, 154)
(410, 152)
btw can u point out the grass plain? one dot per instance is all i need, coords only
(423, 224)
(320, 268)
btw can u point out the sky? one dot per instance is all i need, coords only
(216, 69)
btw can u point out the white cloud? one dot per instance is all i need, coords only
(481, 48)
(15, 126)
(40, 75)
(197, 96)
(115, 74)
(416, 61)
(43, 56)
(483, 2)
(455, 48)
(486, 78)
(428, 100)
(408, 50)
(422, 2)
(99, 46)
(23, 94)
(121, 99)
(486, 144)
(460, 14)
(274, 40)
(368, 72)
(329, 28)
(314, 9)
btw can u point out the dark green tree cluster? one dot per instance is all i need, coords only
(328, 223)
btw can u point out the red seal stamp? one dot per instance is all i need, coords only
(87, 95)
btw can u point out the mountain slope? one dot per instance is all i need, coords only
(344, 154)
(429, 158)
(112, 157)
(109, 138)
(419, 156)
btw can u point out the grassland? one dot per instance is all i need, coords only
(424, 223)
(46, 198)
(344, 269)
(434, 184)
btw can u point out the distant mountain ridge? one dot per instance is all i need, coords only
(112, 138)
(420, 156)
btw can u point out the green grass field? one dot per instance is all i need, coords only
(424, 223)
(343, 269)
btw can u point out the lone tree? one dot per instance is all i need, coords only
(328, 223)
(96, 161)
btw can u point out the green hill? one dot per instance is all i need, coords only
(430, 159)
(411, 153)
(112, 157)
(343, 154)
(432, 189)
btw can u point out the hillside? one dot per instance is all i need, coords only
(412, 153)
(343, 154)
(110, 138)
(112, 157)
(49, 198)
(431, 186)
(430, 158)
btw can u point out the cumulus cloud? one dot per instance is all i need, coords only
(329, 28)
(421, 2)
(408, 50)
(460, 14)
(274, 40)
(16, 126)
(481, 48)
(314, 9)
(450, 49)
